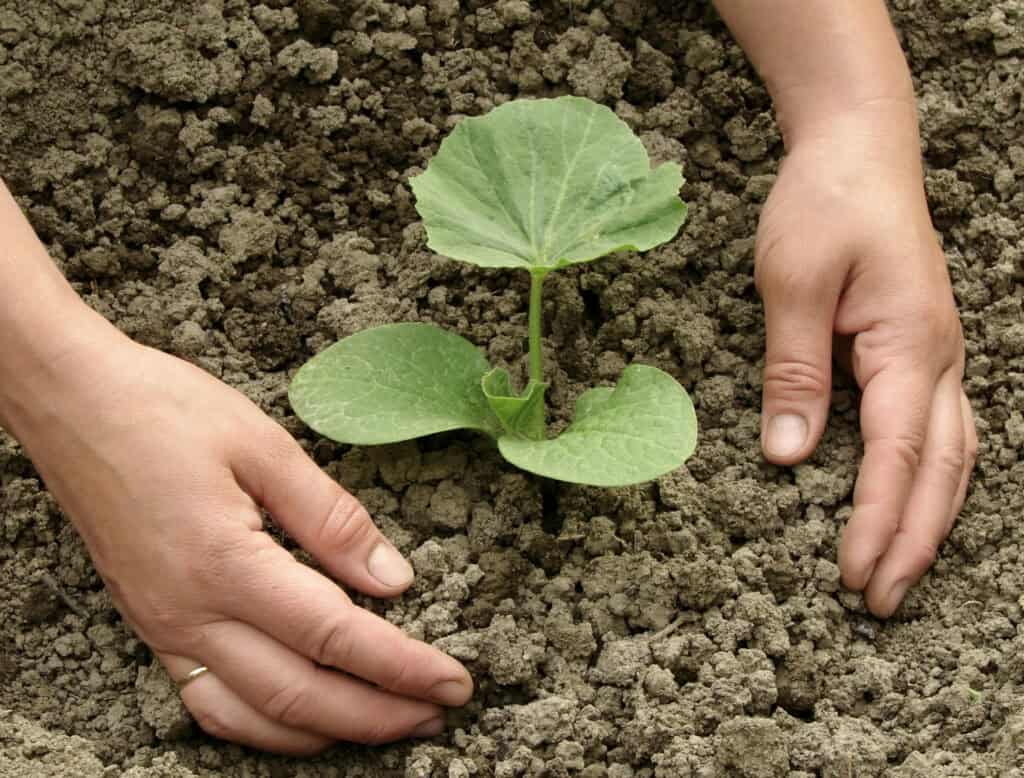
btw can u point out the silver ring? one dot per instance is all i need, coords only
(201, 670)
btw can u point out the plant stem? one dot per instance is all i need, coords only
(536, 314)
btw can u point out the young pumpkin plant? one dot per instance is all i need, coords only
(535, 185)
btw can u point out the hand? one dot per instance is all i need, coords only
(846, 249)
(163, 470)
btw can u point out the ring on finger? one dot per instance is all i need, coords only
(192, 675)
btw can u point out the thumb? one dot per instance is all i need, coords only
(324, 518)
(799, 314)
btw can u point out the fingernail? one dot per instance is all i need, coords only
(449, 693)
(785, 435)
(428, 728)
(388, 566)
(896, 595)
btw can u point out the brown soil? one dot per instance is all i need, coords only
(229, 183)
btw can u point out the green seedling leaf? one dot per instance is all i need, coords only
(519, 414)
(538, 185)
(393, 383)
(544, 184)
(641, 429)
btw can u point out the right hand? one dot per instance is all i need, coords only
(847, 258)
(163, 470)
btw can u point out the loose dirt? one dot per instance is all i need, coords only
(228, 182)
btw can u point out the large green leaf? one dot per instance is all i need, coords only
(392, 383)
(641, 429)
(546, 183)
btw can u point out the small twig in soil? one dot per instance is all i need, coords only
(664, 632)
(73, 606)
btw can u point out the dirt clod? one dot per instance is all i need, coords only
(229, 181)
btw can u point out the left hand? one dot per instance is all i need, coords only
(846, 250)
(164, 471)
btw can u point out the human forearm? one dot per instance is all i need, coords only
(41, 318)
(824, 60)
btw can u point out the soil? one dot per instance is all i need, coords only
(228, 182)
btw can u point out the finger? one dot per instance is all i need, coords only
(894, 412)
(325, 519)
(799, 306)
(297, 694)
(928, 514)
(223, 714)
(970, 457)
(309, 613)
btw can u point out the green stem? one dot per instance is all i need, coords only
(536, 356)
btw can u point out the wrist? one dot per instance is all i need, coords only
(44, 354)
(823, 59)
(806, 115)
(43, 324)
(878, 139)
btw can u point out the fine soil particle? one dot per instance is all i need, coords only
(229, 182)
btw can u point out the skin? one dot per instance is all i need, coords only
(848, 265)
(163, 469)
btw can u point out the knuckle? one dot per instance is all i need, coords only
(795, 379)
(971, 453)
(214, 558)
(376, 731)
(333, 647)
(768, 248)
(346, 525)
(291, 704)
(906, 449)
(950, 461)
(774, 275)
(764, 272)
(399, 675)
(770, 275)
(246, 559)
(939, 323)
(164, 620)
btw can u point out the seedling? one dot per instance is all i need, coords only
(536, 185)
